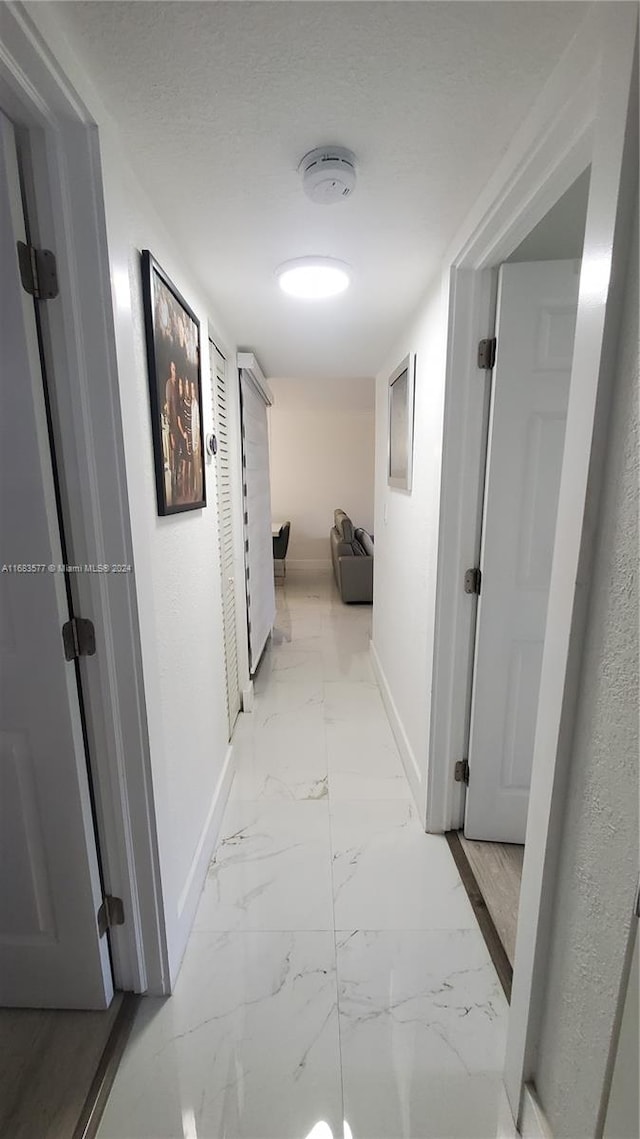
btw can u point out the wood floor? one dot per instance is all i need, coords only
(497, 867)
(48, 1061)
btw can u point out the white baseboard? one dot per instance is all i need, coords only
(533, 1121)
(407, 756)
(194, 882)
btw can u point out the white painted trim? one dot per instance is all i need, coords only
(246, 362)
(471, 317)
(409, 760)
(71, 216)
(580, 118)
(194, 882)
(247, 697)
(533, 1121)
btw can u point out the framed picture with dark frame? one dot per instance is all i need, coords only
(400, 443)
(175, 388)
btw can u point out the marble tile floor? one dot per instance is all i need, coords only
(336, 985)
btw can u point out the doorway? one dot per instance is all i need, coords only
(57, 986)
(52, 951)
(536, 307)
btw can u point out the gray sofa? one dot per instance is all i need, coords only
(352, 557)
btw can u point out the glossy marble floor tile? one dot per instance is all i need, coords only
(363, 763)
(247, 1047)
(285, 759)
(422, 1029)
(271, 870)
(389, 874)
(336, 985)
(352, 702)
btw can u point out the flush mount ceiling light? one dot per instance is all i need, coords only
(328, 174)
(314, 278)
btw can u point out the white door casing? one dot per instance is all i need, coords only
(221, 419)
(537, 305)
(50, 952)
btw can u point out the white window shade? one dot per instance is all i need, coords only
(261, 603)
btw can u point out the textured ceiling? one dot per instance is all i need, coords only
(217, 103)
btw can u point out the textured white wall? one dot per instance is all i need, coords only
(176, 560)
(598, 867)
(322, 439)
(406, 528)
(177, 575)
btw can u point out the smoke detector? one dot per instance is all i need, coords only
(328, 174)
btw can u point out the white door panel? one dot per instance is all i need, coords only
(50, 951)
(537, 305)
(261, 604)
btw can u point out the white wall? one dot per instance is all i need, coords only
(598, 864)
(176, 560)
(406, 528)
(322, 436)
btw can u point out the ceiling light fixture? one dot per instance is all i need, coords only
(314, 278)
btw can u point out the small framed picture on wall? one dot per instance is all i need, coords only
(400, 444)
(175, 389)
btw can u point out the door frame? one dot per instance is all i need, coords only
(493, 405)
(67, 184)
(584, 116)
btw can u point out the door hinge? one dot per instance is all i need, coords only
(461, 771)
(111, 913)
(38, 272)
(78, 638)
(473, 581)
(487, 353)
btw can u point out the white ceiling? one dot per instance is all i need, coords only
(218, 102)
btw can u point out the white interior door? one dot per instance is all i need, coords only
(50, 952)
(261, 601)
(225, 529)
(537, 306)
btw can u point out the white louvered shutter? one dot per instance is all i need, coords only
(225, 529)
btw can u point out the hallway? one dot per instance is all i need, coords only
(335, 971)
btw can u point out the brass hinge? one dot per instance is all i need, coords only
(38, 272)
(473, 581)
(487, 353)
(461, 771)
(78, 638)
(111, 913)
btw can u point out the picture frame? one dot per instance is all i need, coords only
(400, 433)
(172, 333)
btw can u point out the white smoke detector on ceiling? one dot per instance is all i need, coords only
(328, 174)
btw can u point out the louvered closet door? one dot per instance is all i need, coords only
(225, 529)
